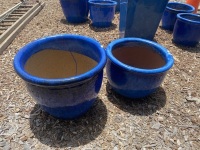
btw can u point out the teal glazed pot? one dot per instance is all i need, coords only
(171, 11)
(136, 67)
(102, 12)
(75, 11)
(70, 97)
(187, 29)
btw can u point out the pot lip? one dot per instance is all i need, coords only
(99, 2)
(179, 11)
(17, 63)
(167, 56)
(181, 17)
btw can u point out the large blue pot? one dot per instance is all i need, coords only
(75, 11)
(102, 12)
(187, 29)
(172, 9)
(65, 98)
(143, 17)
(131, 81)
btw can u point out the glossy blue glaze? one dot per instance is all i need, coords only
(75, 11)
(187, 29)
(143, 17)
(102, 12)
(135, 82)
(65, 98)
(172, 9)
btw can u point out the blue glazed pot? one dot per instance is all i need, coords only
(172, 9)
(65, 98)
(118, 5)
(131, 81)
(143, 17)
(187, 29)
(102, 12)
(75, 11)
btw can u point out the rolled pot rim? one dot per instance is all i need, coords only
(165, 53)
(183, 4)
(100, 3)
(78, 79)
(181, 17)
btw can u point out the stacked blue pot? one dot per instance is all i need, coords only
(102, 12)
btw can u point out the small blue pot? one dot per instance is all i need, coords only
(172, 9)
(187, 29)
(130, 81)
(102, 12)
(75, 11)
(65, 98)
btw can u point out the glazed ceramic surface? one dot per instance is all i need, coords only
(65, 98)
(102, 12)
(171, 11)
(130, 81)
(143, 17)
(187, 29)
(75, 11)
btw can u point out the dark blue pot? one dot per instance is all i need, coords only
(130, 81)
(143, 17)
(117, 9)
(187, 29)
(172, 9)
(65, 98)
(102, 12)
(75, 11)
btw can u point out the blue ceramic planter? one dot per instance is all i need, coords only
(187, 29)
(143, 18)
(75, 11)
(172, 9)
(131, 81)
(102, 12)
(117, 6)
(65, 98)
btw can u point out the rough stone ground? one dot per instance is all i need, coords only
(168, 119)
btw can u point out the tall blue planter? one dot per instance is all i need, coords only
(143, 17)
(75, 11)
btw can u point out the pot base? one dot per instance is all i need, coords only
(69, 112)
(102, 24)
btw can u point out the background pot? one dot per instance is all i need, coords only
(194, 3)
(143, 17)
(65, 98)
(187, 29)
(75, 11)
(172, 9)
(148, 71)
(102, 12)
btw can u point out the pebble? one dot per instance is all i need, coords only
(161, 119)
(2, 144)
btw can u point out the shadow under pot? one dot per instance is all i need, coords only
(171, 11)
(187, 29)
(136, 67)
(63, 73)
(102, 12)
(75, 11)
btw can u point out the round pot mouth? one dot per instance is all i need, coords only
(190, 18)
(102, 3)
(179, 7)
(168, 58)
(49, 42)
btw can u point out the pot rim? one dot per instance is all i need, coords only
(165, 53)
(181, 16)
(102, 3)
(191, 8)
(19, 68)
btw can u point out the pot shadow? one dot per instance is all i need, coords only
(142, 106)
(165, 30)
(195, 49)
(68, 133)
(64, 21)
(96, 29)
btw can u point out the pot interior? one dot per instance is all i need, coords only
(191, 17)
(139, 56)
(51, 63)
(179, 7)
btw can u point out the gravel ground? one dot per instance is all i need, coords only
(168, 119)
